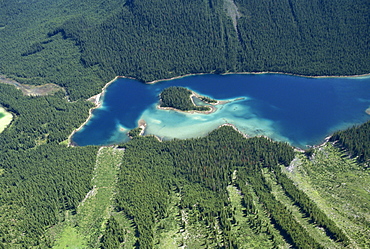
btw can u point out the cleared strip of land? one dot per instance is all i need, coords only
(339, 186)
(87, 226)
(31, 90)
(315, 231)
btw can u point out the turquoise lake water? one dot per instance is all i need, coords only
(298, 110)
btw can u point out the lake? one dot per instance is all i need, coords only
(299, 110)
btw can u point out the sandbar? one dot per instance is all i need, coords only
(368, 111)
(32, 90)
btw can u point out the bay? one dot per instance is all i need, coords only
(299, 110)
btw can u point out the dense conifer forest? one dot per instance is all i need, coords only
(356, 141)
(180, 99)
(199, 172)
(40, 176)
(220, 191)
(82, 45)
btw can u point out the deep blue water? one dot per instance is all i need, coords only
(299, 110)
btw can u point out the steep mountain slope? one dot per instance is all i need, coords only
(81, 45)
(181, 192)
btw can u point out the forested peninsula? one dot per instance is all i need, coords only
(219, 191)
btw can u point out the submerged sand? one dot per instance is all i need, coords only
(195, 124)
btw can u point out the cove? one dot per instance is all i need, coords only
(299, 110)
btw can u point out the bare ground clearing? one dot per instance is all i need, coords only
(31, 90)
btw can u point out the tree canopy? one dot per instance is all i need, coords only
(81, 46)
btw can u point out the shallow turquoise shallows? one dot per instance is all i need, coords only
(298, 110)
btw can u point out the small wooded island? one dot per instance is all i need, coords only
(180, 98)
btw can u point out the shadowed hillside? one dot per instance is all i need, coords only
(82, 45)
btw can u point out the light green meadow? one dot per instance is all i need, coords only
(5, 118)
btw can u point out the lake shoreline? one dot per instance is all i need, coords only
(99, 98)
(211, 106)
(256, 73)
(212, 110)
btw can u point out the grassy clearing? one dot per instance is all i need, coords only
(183, 228)
(180, 228)
(248, 235)
(5, 118)
(129, 229)
(70, 238)
(317, 233)
(337, 184)
(65, 142)
(169, 233)
(340, 187)
(95, 209)
(195, 233)
(31, 90)
(88, 224)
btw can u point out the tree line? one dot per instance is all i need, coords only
(179, 98)
(40, 177)
(355, 140)
(200, 170)
(71, 44)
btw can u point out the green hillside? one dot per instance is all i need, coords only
(83, 44)
(40, 177)
(220, 191)
(355, 141)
